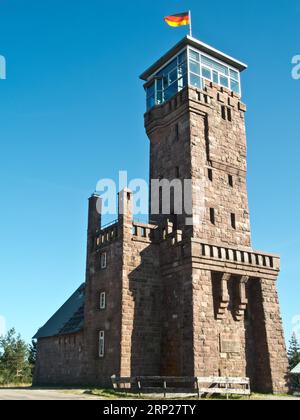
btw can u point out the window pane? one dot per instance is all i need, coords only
(182, 82)
(234, 74)
(214, 65)
(194, 55)
(235, 86)
(195, 67)
(173, 76)
(159, 84)
(215, 77)
(168, 68)
(150, 90)
(206, 73)
(182, 69)
(159, 98)
(195, 80)
(150, 102)
(182, 57)
(224, 81)
(171, 91)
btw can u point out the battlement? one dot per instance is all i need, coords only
(211, 95)
(142, 232)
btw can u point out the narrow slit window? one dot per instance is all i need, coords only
(223, 110)
(101, 343)
(102, 300)
(177, 172)
(177, 131)
(103, 260)
(210, 174)
(212, 216)
(233, 220)
(229, 114)
(230, 180)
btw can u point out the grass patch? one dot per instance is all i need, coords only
(16, 385)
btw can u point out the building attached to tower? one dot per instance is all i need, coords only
(185, 295)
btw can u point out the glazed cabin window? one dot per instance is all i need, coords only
(202, 66)
(168, 81)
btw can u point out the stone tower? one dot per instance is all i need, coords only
(186, 294)
(230, 321)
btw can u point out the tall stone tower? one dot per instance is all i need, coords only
(186, 294)
(224, 291)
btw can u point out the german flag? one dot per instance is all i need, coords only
(180, 19)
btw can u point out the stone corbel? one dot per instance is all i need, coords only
(243, 301)
(224, 296)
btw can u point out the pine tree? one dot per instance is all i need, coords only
(294, 359)
(14, 363)
(32, 355)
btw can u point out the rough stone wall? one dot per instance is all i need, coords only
(98, 370)
(191, 133)
(219, 343)
(60, 360)
(270, 363)
(141, 297)
(109, 280)
(176, 318)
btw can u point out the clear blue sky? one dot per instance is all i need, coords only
(71, 112)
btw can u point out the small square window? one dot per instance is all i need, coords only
(103, 260)
(215, 77)
(224, 81)
(194, 55)
(102, 300)
(235, 86)
(195, 67)
(195, 81)
(234, 74)
(206, 73)
(101, 343)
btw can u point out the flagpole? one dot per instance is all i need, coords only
(190, 19)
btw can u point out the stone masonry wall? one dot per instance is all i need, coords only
(141, 298)
(60, 360)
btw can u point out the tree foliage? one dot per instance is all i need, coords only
(14, 359)
(294, 359)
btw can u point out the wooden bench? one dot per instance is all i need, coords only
(223, 386)
(196, 385)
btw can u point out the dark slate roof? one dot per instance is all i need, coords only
(68, 319)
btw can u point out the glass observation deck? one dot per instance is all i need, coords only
(190, 63)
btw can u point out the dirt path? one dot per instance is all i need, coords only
(43, 394)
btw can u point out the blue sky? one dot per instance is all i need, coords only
(71, 112)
